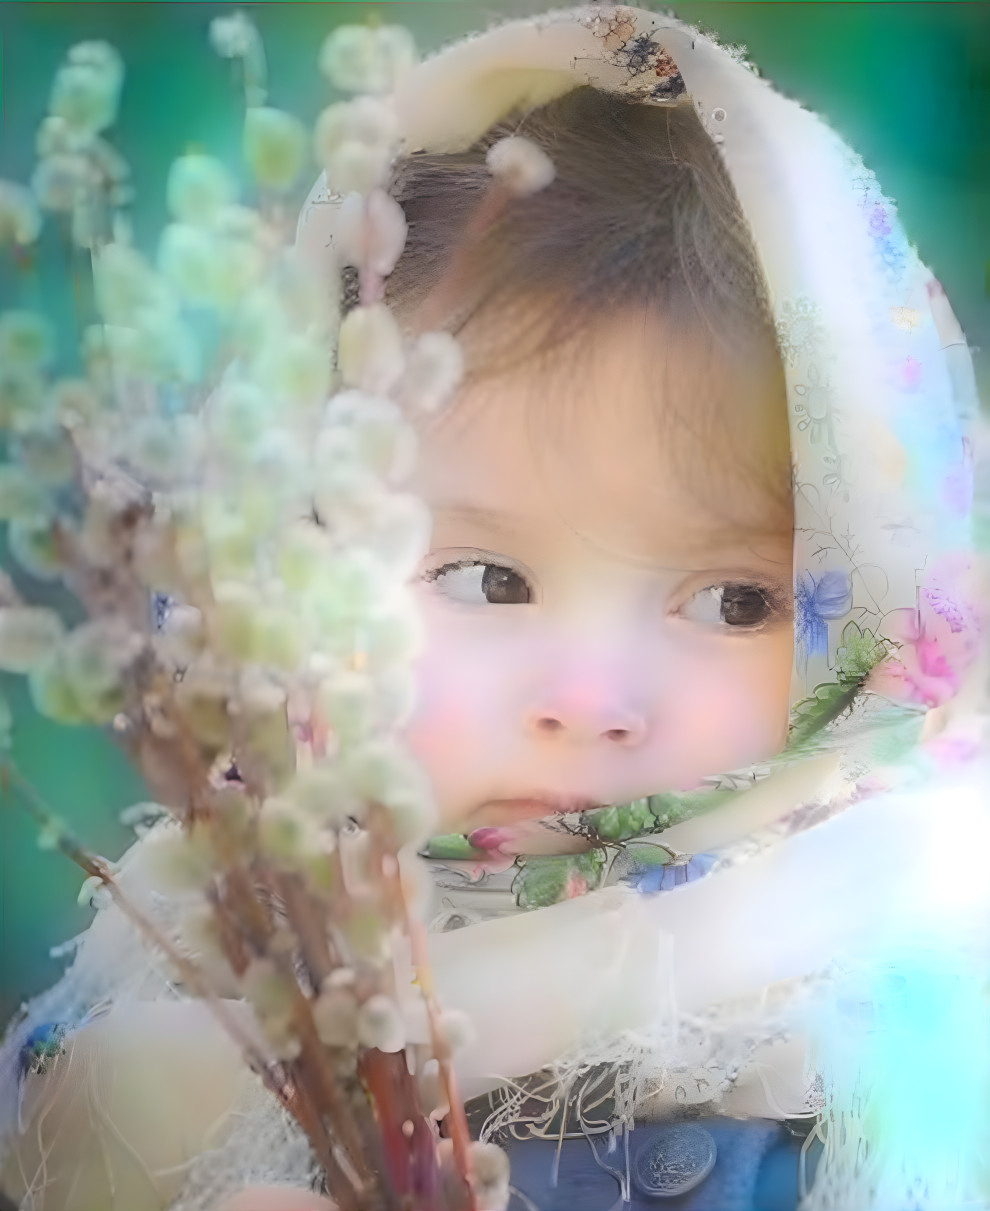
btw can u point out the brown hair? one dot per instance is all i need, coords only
(641, 216)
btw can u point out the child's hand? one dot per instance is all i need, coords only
(275, 1198)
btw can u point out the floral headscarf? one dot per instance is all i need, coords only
(879, 393)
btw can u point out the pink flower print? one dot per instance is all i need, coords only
(526, 837)
(576, 885)
(946, 607)
(937, 643)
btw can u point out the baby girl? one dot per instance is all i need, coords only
(663, 570)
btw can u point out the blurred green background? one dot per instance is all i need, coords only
(907, 84)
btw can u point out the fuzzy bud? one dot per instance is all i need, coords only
(355, 141)
(20, 219)
(322, 796)
(185, 259)
(22, 497)
(518, 163)
(97, 656)
(198, 186)
(394, 636)
(26, 338)
(233, 620)
(270, 994)
(296, 372)
(382, 772)
(52, 693)
(124, 283)
(232, 817)
(456, 1029)
(303, 550)
(60, 182)
(27, 636)
(371, 232)
(285, 835)
(33, 547)
(401, 537)
(237, 415)
(369, 351)
(48, 454)
(335, 1014)
(352, 587)
(379, 1024)
(233, 36)
(175, 860)
(367, 59)
(199, 933)
(490, 1177)
(384, 441)
(434, 369)
(202, 696)
(347, 702)
(274, 146)
(86, 91)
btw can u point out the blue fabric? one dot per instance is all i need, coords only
(756, 1169)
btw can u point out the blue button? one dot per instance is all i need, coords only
(673, 1160)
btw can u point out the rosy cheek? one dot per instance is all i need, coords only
(735, 712)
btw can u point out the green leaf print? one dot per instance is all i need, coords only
(548, 880)
(451, 847)
(858, 653)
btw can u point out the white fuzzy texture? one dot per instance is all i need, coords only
(20, 219)
(490, 1166)
(369, 350)
(197, 187)
(27, 635)
(520, 164)
(274, 145)
(355, 141)
(434, 369)
(457, 1029)
(379, 1024)
(335, 1014)
(234, 36)
(359, 58)
(371, 232)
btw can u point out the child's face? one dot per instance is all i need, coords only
(602, 621)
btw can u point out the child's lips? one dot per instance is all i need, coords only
(533, 806)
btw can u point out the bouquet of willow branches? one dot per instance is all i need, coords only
(220, 491)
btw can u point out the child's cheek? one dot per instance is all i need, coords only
(455, 724)
(734, 705)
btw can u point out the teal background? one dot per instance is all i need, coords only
(907, 84)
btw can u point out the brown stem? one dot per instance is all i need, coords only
(308, 926)
(416, 932)
(324, 1088)
(192, 976)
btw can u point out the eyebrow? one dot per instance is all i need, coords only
(496, 519)
(715, 548)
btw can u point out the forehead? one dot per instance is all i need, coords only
(631, 435)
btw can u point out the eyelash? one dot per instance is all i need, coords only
(777, 608)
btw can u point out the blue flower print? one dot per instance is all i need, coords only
(818, 601)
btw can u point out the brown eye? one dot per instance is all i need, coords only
(738, 606)
(475, 582)
(502, 586)
(744, 605)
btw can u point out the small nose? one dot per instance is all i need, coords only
(584, 714)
